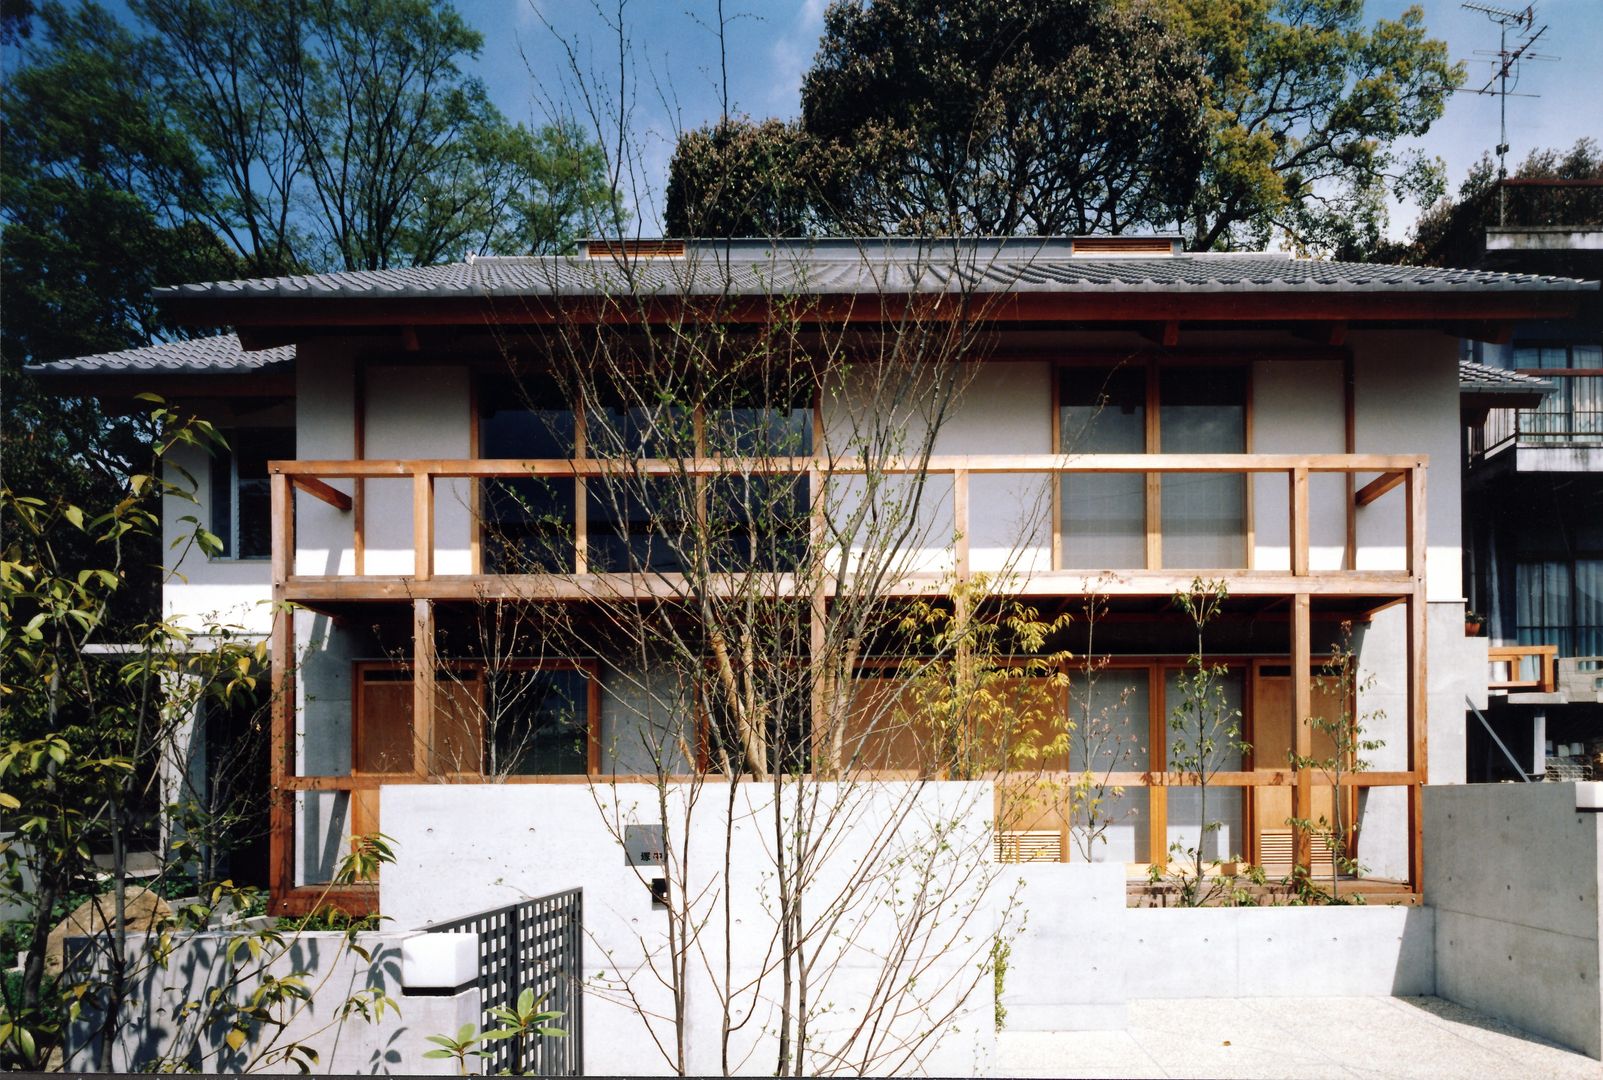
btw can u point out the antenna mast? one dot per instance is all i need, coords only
(1507, 64)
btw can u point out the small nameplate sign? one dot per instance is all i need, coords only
(643, 845)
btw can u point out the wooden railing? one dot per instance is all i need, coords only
(1370, 477)
(1508, 664)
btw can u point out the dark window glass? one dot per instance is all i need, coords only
(759, 522)
(242, 505)
(539, 721)
(640, 524)
(527, 521)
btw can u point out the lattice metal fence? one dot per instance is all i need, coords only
(536, 945)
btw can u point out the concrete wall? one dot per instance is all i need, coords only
(1083, 953)
(1512, 871)
(159, 1027)
(870, 892)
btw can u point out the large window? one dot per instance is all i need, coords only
(527, 522)
(1573, 412)
(1190, 520)
(743, 518)
(241, 499)
(525, 718)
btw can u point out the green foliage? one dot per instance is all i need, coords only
(981, 692)
(989, 117)
(1453, 231)
(1304, 105)
(524, 1019)
(739, 177)
(1345, 739)
(1204, 733)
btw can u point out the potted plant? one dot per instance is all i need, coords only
(1473, 621)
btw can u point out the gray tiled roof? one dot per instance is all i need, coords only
(220, 355)
(846, 267)
(1480, 377)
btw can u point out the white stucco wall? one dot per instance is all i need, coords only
(1299, 408)
(1406, 402)
(417, 411)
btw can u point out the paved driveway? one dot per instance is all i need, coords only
(1294, 1037)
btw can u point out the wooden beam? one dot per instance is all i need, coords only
(320, 490)
(975, 464)
(1165, 333)
(282, 504)
(1379, 486)
(1091, 306)
(280, 766)
(1332, 334)
(960, 523)
(1375, 585)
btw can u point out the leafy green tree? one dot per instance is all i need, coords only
(740, 177)
(1453, 231)
(1238, 120)
(1305, 104)
(991, 116)
(94, 202)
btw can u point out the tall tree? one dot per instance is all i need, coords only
(991, 116)
(1240, 120)
(1305, 105)
(739, 177)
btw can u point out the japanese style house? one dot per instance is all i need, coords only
(1289, 426)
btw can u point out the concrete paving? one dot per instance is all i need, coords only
(1347, 1038)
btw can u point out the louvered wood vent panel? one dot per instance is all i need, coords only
(1125, 245)
(635, 249)
(1277, 848)
(1029, 846)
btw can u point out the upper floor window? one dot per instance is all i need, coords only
(1134, 520)
(1573, 412)
(241, 499)
(643, 524)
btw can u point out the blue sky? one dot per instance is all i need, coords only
(771, 43)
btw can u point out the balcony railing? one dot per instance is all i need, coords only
(1369, 477)
(1522, 667)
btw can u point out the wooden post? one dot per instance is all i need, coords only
(423, 524)
(422, 686)
(581, 495)
(1299, 521)
(960, 523)
(281, 762)
(1301, 709)
(359, 484)
(282, 502)
(1418, 686)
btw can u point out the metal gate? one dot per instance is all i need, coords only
(536, 945)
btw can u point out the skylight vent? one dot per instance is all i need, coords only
(1143, 246)
(634, 249)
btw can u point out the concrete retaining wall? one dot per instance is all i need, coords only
(1083, 953)
(907, 862)
(1513, 873)
(160, 1028)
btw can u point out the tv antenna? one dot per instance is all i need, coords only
(1506, 65)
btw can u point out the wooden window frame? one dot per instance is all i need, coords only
(1152, 368)
(591, 668)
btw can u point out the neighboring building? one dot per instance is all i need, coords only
(1260, 419)
(1533, 506)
